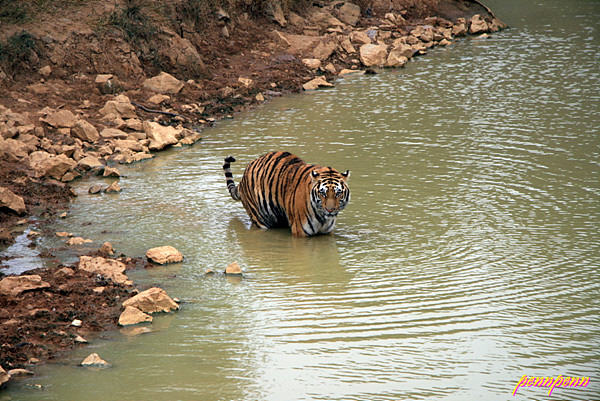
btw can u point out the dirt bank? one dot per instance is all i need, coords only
(86, 86)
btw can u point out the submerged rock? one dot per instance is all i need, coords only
(315, 84)
(164, 254)
(151, 301)
(233, 268)
(132, 315)
(4, 377)
(94, 360)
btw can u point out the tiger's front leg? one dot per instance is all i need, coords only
(297, 230)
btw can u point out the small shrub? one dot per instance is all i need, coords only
(12, 11)
(133, 23)
(17, 48)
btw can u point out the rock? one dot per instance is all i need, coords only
(110, 268)
(132, 315)
(164, 254)
(14, 149)
(163, 83)
(346, 45)
(76, 323)
(296, 20)
(66, 271)
(459, 29)
(20, 373)
(47, 165)
(11, 201)
(60, 119)
(151, 301)
(360, 38)
(4, 377)
(107, 249)
(94, 360)
(324, 49)
(111, 172)
(477, 25)
(134, 124)
(330, 68)
(395, 59)
(312, 63)
(113, 133)
(158, 99)
(191, 139)
(402, 49)
(63, 234)
(259, 97)
(80, 340)
(85, 131)
(45, 71)
(275, 13)
(89, 162)
(160, 136)
(107, 84)
(78, 241)
(233, 268)
(315, 84)
(281, 39)
(131, 157)
(349, 13)
(95, 189)
(121, 107)
(247, 82)
(445, 42)
(113, 188)
(373, 55)
(18, 284)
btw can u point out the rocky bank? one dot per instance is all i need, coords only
(87, 86)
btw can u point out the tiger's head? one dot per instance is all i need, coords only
(330, 192)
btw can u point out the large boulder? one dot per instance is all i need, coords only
(60, 119)
(18, 284)
(151, 301)
(11, 201)
(164, 254)
(402, 49)
(132, 315)
(14, 149)
(477, 25)
(121, 107)
(110, 268)
(324, 49)
(373, 55)
(163, 83)
(85, 131)
(47, 165)
(160, 136)
(349, 13)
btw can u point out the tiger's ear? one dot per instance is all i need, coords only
(314, 175)
(346, 174)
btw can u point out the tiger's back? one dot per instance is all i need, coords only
(280, 190)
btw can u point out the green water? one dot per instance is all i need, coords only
(467, 257)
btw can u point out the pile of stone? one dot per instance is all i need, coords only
(63, 145)
(330, 40)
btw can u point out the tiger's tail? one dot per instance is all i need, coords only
(233, 189)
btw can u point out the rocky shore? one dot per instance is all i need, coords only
(87, 87)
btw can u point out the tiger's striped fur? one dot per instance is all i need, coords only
(280, 190)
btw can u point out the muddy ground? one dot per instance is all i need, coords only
(51, 55)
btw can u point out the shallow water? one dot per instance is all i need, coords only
(467, 258)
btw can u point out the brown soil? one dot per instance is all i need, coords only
(75, 40)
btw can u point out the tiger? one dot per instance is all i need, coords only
(280, 190)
